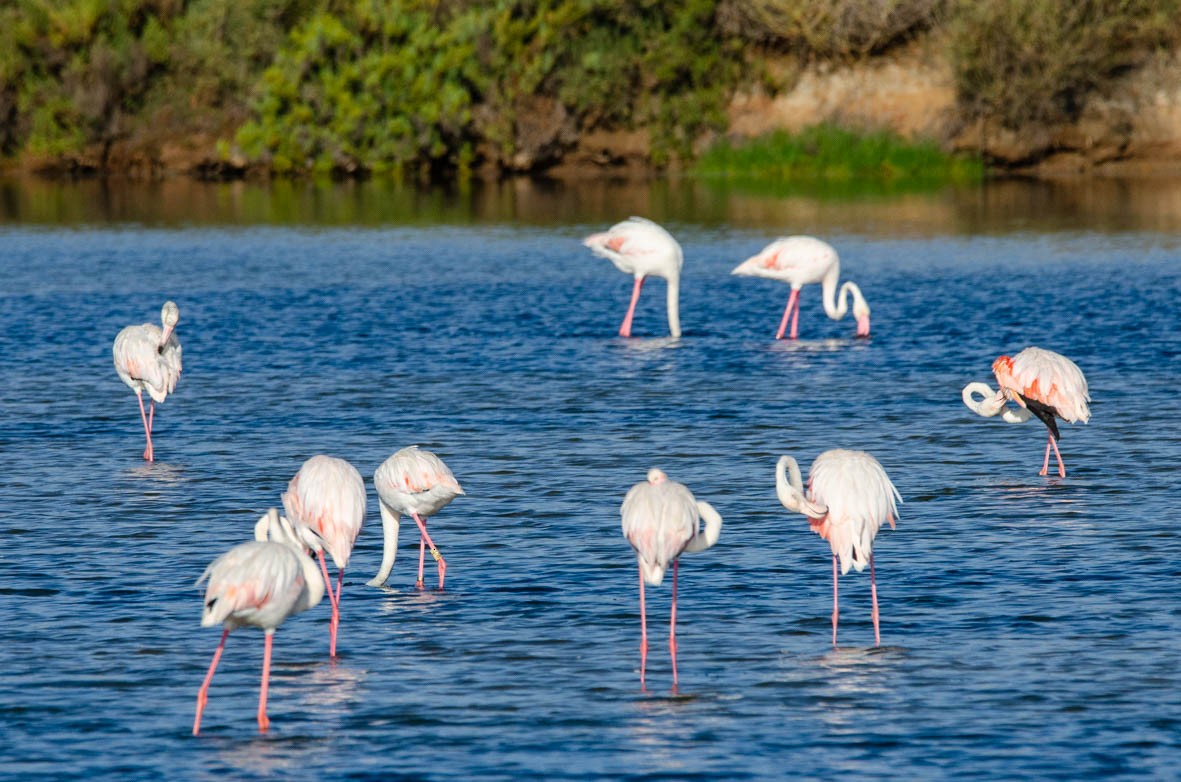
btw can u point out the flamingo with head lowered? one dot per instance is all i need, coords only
(800, 261)
(1042, 383)
(147, 357)
(661, 522)
(642, 248)
(849, 497)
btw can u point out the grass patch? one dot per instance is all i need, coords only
(827, 155)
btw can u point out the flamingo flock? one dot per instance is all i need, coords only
(846, 501)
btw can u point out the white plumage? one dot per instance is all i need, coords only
(148, 358)
(642, 248)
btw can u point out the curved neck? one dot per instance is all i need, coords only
(992, 403)
(828, 290)
(389, 526)
(713, 528)
(790, 490)
(674, 311)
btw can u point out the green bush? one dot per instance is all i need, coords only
(839, 29)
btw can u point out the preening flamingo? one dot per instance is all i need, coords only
(641, 248)
(849, 496)
(660, 521)
(1045, 384)
(800, 261)
(258, 584)
(327, 497)
(148, 357)
(418, 484)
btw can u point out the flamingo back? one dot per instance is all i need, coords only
(638, 246)
(328, 496)
(256, 584)
(798, 260)
(1046, 377)
(659, 520)
(859, 497)
(142, 362)
(414, 480)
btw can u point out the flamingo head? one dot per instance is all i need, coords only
(169, 316)
(656, 475)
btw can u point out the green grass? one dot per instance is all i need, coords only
(831, 155)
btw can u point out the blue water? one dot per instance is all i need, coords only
(1030, 625)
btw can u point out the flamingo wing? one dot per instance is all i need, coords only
(328, 496)
(659, 520)
(1049, 378)
(860, 497)
(255, 583)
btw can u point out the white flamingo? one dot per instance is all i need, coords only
(661, 522)
(258, 584)
(327, 497)
(415, 483)
(849, 497)
(1044, 384)
(642, 248)
(148, 358)
(800, 261)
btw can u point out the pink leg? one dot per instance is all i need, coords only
(332, 623)
(791, 303)
(151, 414)
(1061, 466)
(1046, 462)
(434, 552)
(643, 632)
(203, 693)
(795, 319)
(873, 592)
(147, 427)
(263, 722)
(625, 330)
(672, 626)
(834, 601)
(421, 560)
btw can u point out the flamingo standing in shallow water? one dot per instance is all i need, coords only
(148, 357)
(327, 497)
(418, 484)
(1045, 384)
(849, 496)
(800, 261)
(258, 584)
(641, 248)
(660, 521)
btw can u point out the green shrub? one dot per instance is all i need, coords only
(832, 30)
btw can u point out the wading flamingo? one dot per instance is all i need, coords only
(660, 521)
(849, 496)
(642, 248)
(258, 584)
(415, 483)
(1045, 384)
(327, 497)
(800, 261)
(148, 357)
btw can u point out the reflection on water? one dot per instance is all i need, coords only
(1005, 206)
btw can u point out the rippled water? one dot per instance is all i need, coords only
(1030, 625)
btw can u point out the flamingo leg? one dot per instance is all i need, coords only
(421, 560)
(1061, 466)
(835, 612)
(334, 623)
(625, 330)
(434, 552)
(147, 427)
(203, 693)
(873, 592)
(1046, 462)
(643, 632)
(263, 722)
(151, 414)
(332, 599)
(791, 304)
(795, 318)
(672, 626)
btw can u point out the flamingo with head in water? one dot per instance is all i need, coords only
(147, 357)
(1042, 383)
(661, 522)
(642, 248)
(800, 261)
(848, 499)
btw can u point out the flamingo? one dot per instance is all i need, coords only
(258, 584)
(418, 484)
(1043, 383)
(849, 496)
(640, 247)
(327, 498)
(800, 261)
(148, 357)
(661, 522)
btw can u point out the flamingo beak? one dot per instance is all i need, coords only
(863, 326)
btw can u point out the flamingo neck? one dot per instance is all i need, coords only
(390, 523)
(708, 536)
(674, 311)
(789, 487)
(992, 403)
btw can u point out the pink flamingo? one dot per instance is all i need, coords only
(849, 496)
(661, 522)
(148, 357)
(800, 261)
(415, 483)
(1045, 384)
(258, 584)
(327, 497)
(640, 247)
